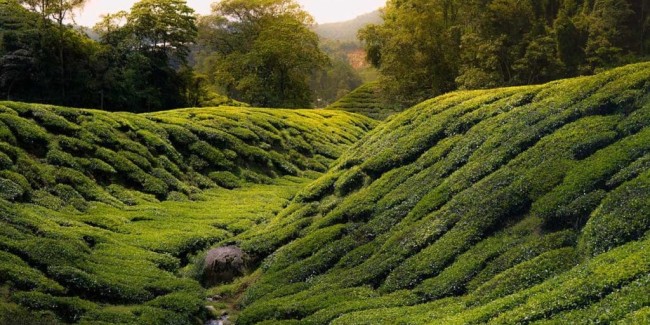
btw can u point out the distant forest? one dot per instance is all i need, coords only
(160, 55)
(428, 47)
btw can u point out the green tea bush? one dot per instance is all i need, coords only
(15, 270)
(70, 196)
(10, 190)
(366, 100)
(74, 145)
(30, 135)
(226, 179)
(60, 158)
(5, 161)
(70, 309)
(6, 135)
(471, 203)
(53, 122)
(622, 217)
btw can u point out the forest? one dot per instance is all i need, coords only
(160, 55)
(427, 48)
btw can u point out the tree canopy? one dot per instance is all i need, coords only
(139, 63)
(260, 51)
(428, 47)
(145, 55)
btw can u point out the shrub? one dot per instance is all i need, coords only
(48, 118)
(70, 196)
(214, 157)
(31, 136)
(22, 276)
(59, 158)
(621, 218)
(74, 145)
(69, 309)
(6, 135)
(10, 190)
(226, 180)
(47, 200)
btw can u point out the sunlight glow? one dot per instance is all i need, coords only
(324, 11)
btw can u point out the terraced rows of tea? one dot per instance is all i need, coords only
(101, 213)
(504, 206)
(366, 100)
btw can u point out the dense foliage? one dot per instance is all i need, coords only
(99, 212)
(338, 78)
(144, 55)
(139, 64)
(261, 52)
(505, 206)
(425, 48)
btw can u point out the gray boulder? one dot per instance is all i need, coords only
(224, 264)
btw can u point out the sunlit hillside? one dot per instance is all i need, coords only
(505, 206)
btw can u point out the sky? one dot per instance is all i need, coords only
(324, 11)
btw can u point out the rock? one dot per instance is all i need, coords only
(224, 264)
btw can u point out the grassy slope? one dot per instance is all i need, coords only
(515, 205)
(365, 100)
(99, 212)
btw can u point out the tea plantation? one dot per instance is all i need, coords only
(366, 100)
(504, 206)
(101, 213)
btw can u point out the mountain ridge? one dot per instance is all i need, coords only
(346, 31)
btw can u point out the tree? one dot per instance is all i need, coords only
(143, 65)
(31, 48)
(260, 51)
(338, 77)
(426, 47)
(416, 49)
(58, 11)
(163, 25)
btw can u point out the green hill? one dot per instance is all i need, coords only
(100, 213)
(367, 101)
(505, 206)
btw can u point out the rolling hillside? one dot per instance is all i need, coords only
(505, 206)
(367, 101)
(101, 213)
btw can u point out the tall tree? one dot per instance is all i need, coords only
(164, 25)
(261, 51)
(426, 47)
(144, 62)
(58, 11)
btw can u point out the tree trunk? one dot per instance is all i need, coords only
(11, 87)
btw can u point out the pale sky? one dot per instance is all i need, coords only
(325, 11)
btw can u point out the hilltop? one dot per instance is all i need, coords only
(366, 100)
(511, 205)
